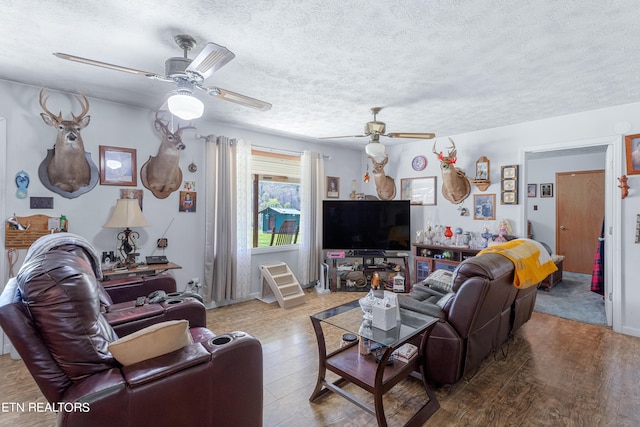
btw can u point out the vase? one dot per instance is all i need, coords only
(448, 233)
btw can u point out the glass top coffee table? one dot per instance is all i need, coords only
(376, 377)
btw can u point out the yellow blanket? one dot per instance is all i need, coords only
(531, 260)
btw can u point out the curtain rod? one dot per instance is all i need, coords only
(283, 151)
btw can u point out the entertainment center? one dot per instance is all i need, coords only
(363, 237)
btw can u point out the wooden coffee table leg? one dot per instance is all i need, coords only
(322, 359)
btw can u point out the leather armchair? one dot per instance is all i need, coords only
(118, 300)
(55, 323)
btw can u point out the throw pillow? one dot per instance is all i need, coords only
(152, 341)
(440, 280)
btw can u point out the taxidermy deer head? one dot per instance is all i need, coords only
(69, 168)
(162, 174)
(455, 185)
(385, 185)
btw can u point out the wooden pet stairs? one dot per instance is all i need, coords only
(279, 284)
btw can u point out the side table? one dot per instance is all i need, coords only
(141, 270)
(375, 377)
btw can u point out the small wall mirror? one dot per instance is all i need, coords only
(483, 169)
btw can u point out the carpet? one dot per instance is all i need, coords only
(572, 299)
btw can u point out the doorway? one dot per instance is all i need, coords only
(579, 217)
(610, 149)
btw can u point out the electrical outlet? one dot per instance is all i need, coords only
(41, 202)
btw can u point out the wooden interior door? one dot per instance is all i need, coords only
(579, 216)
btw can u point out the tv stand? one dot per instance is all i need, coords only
(353, 270)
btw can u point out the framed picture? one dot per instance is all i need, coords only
(333, 187)
(546, 190)
(419, 191)
(484, 206)
(187, 201)
(482, 169)
(509, 193)
(633, 154)
(532, 190)
(130, 193)
(509, 172)
(118, 166)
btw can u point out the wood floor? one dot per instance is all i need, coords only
(557, 373)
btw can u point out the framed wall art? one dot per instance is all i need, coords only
(333, 187)
(484, 206)
(118, 166)
(509, 182)
(632, 143)
(419, 191)
(546, 190)
(532, 190)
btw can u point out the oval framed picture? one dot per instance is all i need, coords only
(419, 163)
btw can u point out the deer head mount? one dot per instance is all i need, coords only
(455, 185)
(67, 170)
(385, 185)
(161, 174)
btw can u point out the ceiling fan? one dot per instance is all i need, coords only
(187, 74)
(375, 129)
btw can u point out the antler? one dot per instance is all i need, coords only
(84, 105)
(180, 129)
(43, 105)
(453, 152)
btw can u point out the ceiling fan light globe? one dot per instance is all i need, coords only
(375, 149)
(185, 106)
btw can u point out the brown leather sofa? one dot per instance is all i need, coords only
(55, 323)
(478, 319)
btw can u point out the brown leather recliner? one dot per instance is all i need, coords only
(118, 300)
(55, 323)
(475, 321)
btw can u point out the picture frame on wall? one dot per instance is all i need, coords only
(509, 183)
(546, 190)
(532, 190)
(632, 145)
(333, 187)
(484, 206)
(118, 166)
(419, 191)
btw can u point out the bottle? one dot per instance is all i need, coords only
(63, 223)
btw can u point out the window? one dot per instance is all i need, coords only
(276, 194)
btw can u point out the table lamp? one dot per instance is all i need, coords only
(127, 213)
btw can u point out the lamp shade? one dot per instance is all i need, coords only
(375, 149)
(127, 213)
(185, 106)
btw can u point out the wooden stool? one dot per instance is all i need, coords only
(554, 277)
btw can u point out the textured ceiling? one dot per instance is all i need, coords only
(448, 66)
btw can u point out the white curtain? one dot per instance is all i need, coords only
(312, 183)
(228, 187)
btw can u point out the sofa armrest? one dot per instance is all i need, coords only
(130, 288)
(126, 318)
(162, 366)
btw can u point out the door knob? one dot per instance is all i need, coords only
(562, 227)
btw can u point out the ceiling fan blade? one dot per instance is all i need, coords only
(211, 58)
(343, 136)
(106, 65)
(227, 95)
(411, 135)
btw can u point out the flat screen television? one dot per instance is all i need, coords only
(366, 224)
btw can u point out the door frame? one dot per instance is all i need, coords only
(614, 146)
